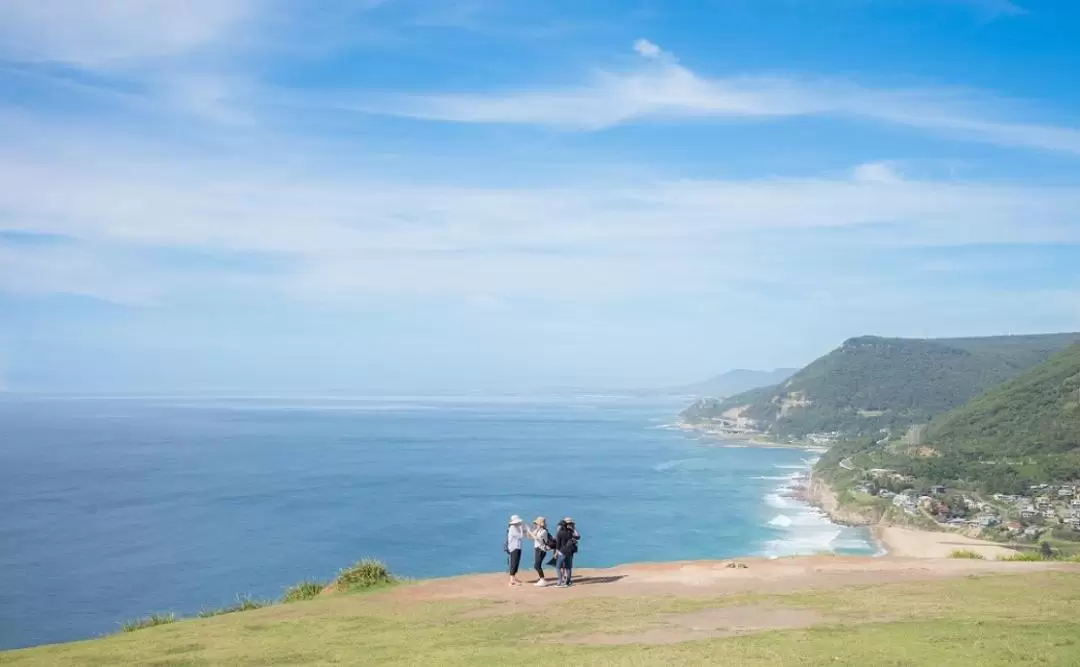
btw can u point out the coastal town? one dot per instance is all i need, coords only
(1044, 509)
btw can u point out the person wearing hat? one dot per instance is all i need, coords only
(515, 533)
(566, 545)
(542, 545)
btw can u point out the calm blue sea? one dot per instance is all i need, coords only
(114, 508)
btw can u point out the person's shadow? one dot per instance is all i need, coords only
(598, 580)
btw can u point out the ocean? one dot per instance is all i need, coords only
(114, 508)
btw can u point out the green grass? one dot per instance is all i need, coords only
(305, 590)
(244, 603)
(967, 553)
(990, 621)
(1026, 557)
(364, 574)
(148, 622)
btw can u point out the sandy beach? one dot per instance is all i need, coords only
(909, 543)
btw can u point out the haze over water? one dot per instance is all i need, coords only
(113, 508)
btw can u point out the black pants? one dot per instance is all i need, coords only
(538, 561)
(515, 561)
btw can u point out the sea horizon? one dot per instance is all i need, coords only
(120, 507)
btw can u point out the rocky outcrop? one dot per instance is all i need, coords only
(821, 495)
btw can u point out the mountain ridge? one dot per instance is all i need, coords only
(871, 383)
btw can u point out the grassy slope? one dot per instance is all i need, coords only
(990, 621)
(1036, 413)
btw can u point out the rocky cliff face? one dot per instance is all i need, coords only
(820, 494)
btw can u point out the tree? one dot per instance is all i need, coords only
(1046, 550)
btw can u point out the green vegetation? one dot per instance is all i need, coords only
(1024, 431)
(305, 590)
(243, 603)
(968, 554)
(871, 383)
(363, 575)
(1026, 556)
(990, 621)
(148, 622)
(1021, 433)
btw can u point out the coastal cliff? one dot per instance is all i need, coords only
(821, 495)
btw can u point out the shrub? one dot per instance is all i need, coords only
(244, 603)
(364, 574)
(148, 622)
(967, 553)
(305, 590)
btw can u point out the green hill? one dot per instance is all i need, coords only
(870, 383)
(1037, 413)
(810, 612)
(1023, 432)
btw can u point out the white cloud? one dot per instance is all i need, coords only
(647, 48)
(877, 172)
(343, 235)
(664, 89)
(105, 33)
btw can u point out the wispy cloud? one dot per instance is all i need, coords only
(342, 234)
(663, 89)
(114, 32)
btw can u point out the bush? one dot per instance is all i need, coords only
(148, 622)
(305, 590)
(245, 603)
(967, 553)
(364, 574)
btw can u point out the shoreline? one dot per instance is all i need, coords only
(904, 542)
(810, 526)
(896, 540)
(748, 439)
(889, 539)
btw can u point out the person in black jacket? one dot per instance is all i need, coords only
(566, 545)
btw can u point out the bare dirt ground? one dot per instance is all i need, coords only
(715, 578)
(710, 579)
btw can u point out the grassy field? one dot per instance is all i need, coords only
(991, 620)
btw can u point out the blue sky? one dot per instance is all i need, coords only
(422, 195)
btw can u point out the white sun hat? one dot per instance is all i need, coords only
(515, 519)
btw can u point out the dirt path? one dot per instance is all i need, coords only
(714, 578)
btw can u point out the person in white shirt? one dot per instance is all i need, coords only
(515, 534)
(542, 545)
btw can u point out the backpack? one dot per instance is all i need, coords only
(549, 541)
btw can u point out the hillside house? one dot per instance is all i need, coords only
(1028, 513)
(1014, 528)
(1031, 532)
(938, 490)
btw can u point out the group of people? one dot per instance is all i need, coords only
(557, 549)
